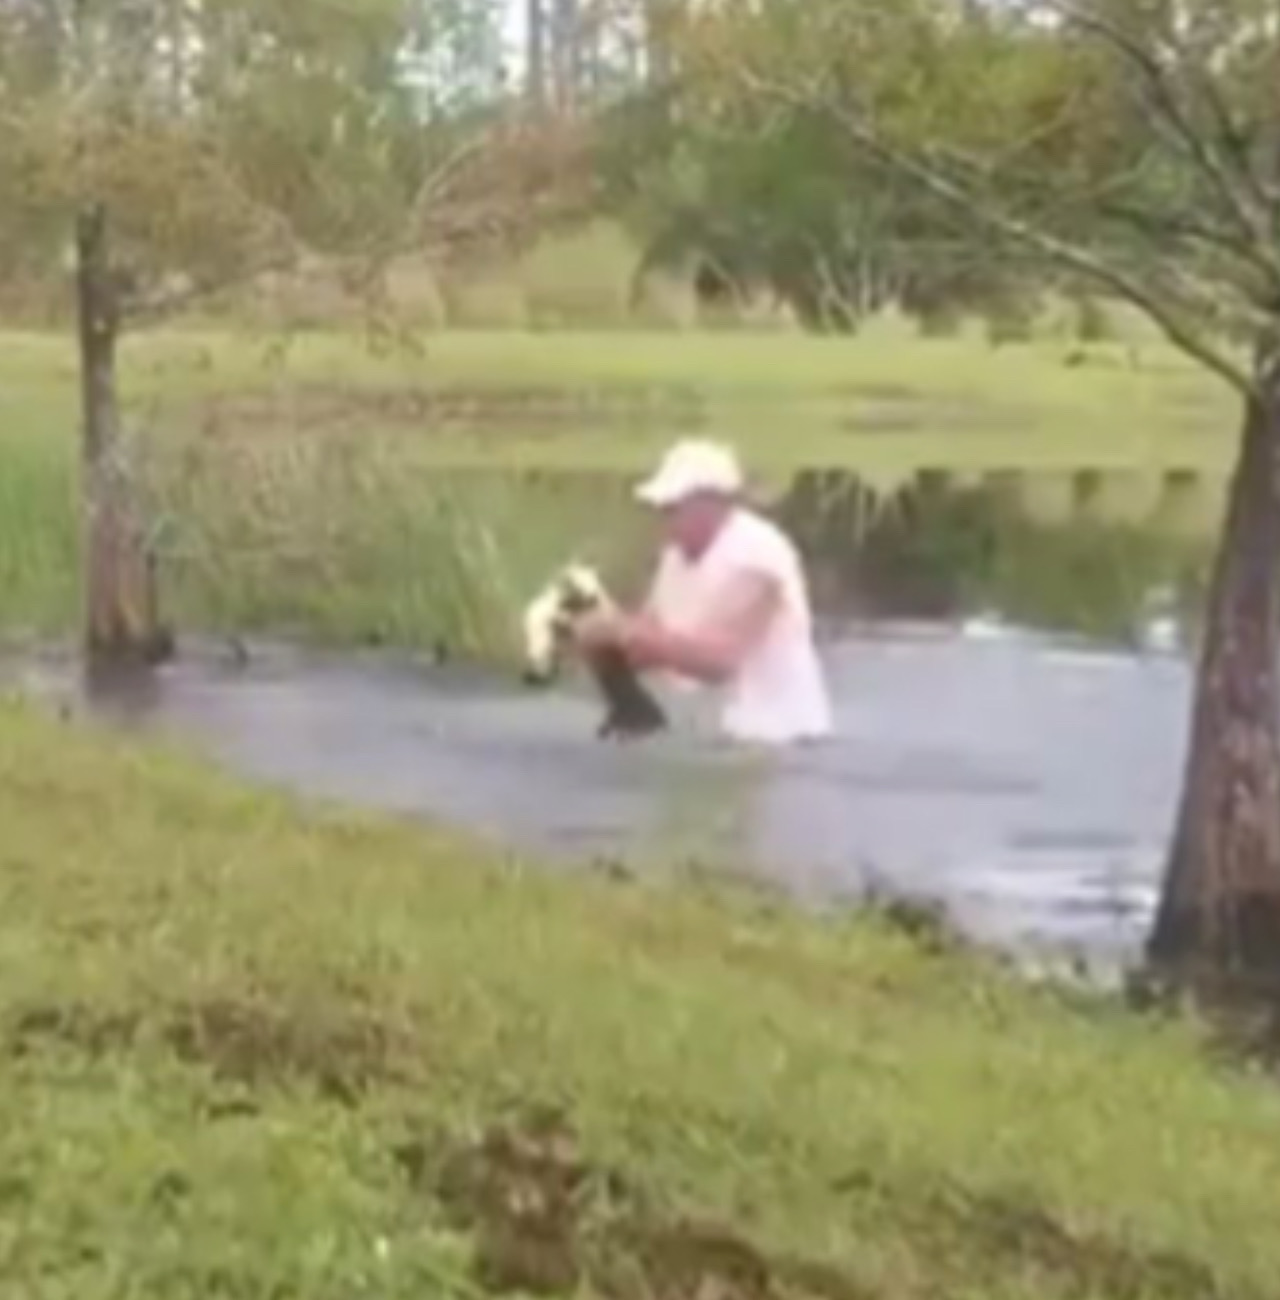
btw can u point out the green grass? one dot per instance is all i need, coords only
(883, 404)
(313, 484)
(365, 546)
(242, 1037)
(790, 399)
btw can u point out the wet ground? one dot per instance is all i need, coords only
(1025, 782)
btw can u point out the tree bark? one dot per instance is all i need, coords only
(566, 53)
(121, 619)
(536, 53)
(1218, 924)
(658, 15)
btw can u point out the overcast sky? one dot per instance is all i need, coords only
(513, 26)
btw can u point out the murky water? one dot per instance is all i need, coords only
(1026, 784)
(1011, 694)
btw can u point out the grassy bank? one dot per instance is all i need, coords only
(311, 484)
(250, 1047)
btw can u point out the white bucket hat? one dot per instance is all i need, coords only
(689, 467)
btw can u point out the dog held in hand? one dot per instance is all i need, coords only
(630, 710)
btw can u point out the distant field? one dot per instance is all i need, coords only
(311, 483)
(881, 402)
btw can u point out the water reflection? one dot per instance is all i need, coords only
(984, 553)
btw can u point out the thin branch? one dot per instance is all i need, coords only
(438, 182)
(139, 309)
(1172, 224)
(1179, 231)
(1254, 224)
(1229, 131)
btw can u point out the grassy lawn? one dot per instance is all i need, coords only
(250, 1048)
(880, 401)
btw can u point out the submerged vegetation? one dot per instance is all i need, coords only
(291, 1052)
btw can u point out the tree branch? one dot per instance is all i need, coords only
(1225, 179)
(1172, 224)
(1183, 334)
(1229, 131)
(438, 182)
(139, 309)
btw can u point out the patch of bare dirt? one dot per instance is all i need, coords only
(341, 1054)
(1019, 1234)
(546, 1221)
(91, 1031)
(1094, 1263)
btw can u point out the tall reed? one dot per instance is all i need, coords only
(362, 539)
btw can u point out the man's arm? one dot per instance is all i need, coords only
(650, 607)
(713, 650)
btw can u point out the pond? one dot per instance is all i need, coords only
(1009, 658)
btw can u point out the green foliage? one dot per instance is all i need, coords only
(977, 153)
(224, 139)
(765, 194)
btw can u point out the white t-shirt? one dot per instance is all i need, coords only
(778, 695)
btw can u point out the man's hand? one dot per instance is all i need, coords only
(711, 652)
(597, 629)
(638, 636)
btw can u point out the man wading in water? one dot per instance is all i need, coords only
(729, 605)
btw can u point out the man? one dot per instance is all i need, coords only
(729, 605)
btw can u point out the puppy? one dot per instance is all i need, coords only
(630, 709)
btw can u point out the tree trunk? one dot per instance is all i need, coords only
(565, 54)
(121, 621)
(1218, 924)
(536, 53)
(657, 39)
